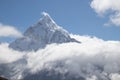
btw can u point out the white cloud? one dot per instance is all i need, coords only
(8, 55)
(9, 31)
(115, 76)
(93, 59)
(106, 6)
(92, 78)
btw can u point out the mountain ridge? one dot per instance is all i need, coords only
(44, 32)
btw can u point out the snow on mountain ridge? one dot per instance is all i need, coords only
(47, 17)
(44, 32)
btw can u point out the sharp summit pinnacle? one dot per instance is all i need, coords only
(38, 36)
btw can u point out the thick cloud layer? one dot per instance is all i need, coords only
(93, 59)
(8, 55)
(105, 6)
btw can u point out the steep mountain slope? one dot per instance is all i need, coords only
(44, 32)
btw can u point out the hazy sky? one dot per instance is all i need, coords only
(84, 17)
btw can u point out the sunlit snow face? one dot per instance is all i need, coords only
(93, 59)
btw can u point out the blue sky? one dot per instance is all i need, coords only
(76, 16)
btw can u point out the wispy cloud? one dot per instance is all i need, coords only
(108, 6)
(9, 31)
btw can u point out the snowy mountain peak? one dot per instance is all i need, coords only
(47, 21)
(38, 36)
(46, 16)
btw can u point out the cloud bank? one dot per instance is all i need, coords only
(93, 59)
(8, 55)
(9, 31)
(108, 6)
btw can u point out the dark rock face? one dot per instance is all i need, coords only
(2, 78)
